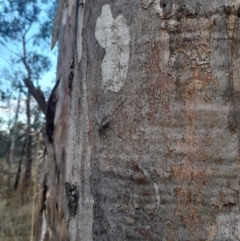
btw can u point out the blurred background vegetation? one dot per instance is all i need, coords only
(27, 76)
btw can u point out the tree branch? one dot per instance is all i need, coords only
(37, 94)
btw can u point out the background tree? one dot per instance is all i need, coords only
(25, 60)
(25, 29)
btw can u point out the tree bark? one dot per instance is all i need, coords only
(51, 199)
(37, 94)
(161, 169)
(152, 147)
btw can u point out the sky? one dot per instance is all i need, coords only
(46, 82)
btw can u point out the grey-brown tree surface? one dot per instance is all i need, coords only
(151, 130)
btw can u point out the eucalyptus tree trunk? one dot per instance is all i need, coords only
(152, 149)
(28, 146)
(50, 224)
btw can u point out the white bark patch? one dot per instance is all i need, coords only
(60, 100)
(70, 6)
(158, 8)
(114, 36)
(65, 16)
(45, 229)
(233, 2)
(80, 27)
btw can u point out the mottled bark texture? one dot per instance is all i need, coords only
(51, 199)
(164, 163)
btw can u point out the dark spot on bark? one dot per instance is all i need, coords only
(238, 12)
(63, 155)
(232, 121)
(58, 175)
(164, 5)
(141, 180)
(136, 167)
(70, 80)
(72, 64)
(72, 194)
(44, 195)
(50, 114)
(103, 126)
(228, 10)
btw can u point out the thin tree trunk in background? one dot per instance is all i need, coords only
(20, 165)
(28, 170)
(11, 147)
(14, 129)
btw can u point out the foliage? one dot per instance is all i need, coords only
(25, 28)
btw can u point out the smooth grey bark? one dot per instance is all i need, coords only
(166, 166)
(153, 130)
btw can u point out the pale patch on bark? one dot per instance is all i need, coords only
(228, 226)
(233, 2)
(225, 197)
(72, 229)
(60, 98)
(44, 227)
(236, 75)
(164, 54)
(114, 36)
(199, 50)
(211, 232)
(64, 16)
(158, 8)
(80, 27)
(70, 6)
(230, 22)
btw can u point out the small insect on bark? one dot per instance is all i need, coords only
(104, 123)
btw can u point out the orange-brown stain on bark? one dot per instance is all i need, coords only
(191, 175)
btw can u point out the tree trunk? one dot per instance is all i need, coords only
(51, 200)
(153, 130)
(160, 166)
(28, 170)
(14, 129)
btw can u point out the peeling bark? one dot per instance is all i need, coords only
(51, 200)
